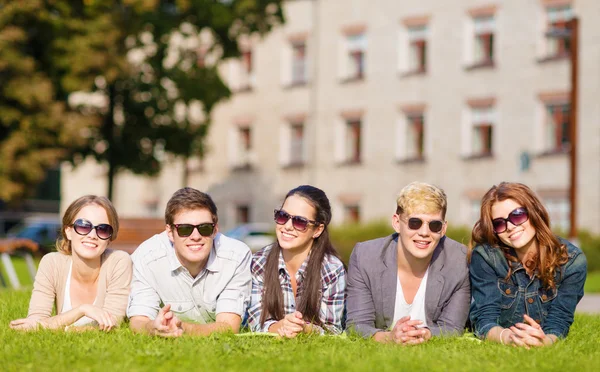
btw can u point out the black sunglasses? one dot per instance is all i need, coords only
(184, 229)
(415, 223)
(299, 223)
(83, 227)
(517, 217)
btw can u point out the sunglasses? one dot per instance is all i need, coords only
(298, 222)
(435, 226)
(83, 227)
(184, 229)
(517, 217)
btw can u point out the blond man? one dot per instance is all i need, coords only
(414, 284)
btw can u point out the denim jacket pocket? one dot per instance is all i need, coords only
(509, 293)
(546, 296)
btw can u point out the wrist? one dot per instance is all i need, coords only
(505, 340)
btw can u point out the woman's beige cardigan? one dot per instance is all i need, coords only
(51, 278)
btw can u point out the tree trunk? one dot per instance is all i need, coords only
(109, 126)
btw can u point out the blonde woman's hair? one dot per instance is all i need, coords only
(421, 197)
(63, 245)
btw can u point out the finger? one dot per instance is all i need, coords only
(413, 323)
(294, 320)
(414, 333)
(518, 332)
(298, 314)
(293, 327)
(531, 321)
(517, 341)
(414, 341)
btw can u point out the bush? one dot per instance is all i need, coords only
(345, 237)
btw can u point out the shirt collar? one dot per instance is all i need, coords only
(212, 264)
(301, 270)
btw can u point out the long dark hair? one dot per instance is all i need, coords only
(551, 253)
(310, 296)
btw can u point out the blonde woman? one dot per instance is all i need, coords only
(414, 284)
(87, 283)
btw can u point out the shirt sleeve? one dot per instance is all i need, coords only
(117, 288)
(361, 308)
(143, 299)
(485, 307)
(44, 293)
(454, 315)
(569, 293)
(333, 300)
(236, 294)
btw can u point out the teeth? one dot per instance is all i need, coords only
(91, 245)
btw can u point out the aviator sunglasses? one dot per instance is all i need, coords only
(517, 217)
(435, 226)
(83, 227)
(298, 222)
(184, 229)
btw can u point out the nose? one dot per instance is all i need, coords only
(424, 229)
(288, 224)
(93, 233)
(195, 234)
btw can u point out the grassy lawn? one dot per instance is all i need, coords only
(123, 351)
(592, 283)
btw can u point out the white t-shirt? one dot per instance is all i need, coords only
(416, 310)
(84, 320)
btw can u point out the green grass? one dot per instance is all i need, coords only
(592, 282)
(123, 351)
(21, 269)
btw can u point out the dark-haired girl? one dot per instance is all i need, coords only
(299, 282)
(525, 281)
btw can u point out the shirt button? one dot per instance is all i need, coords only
(544, 297)
(530, 300)
(507, 291)
(538, 321)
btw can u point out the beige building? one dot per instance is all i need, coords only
(361, 97)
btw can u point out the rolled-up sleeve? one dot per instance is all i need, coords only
(485, 307)
(236, 294)
(143, 299)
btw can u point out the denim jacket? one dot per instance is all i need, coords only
(500, 302)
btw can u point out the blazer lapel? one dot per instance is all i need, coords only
(389, 280)
(435, 281)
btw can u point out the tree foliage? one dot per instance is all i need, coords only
(136, 61)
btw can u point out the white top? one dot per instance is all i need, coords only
(416, 310)
(83, 321)
(159, 279)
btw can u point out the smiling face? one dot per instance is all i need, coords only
(192, 251)
(419, 243)
(290, 238)
(521, 237)
(88, 247)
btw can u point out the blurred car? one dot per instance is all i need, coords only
(256, 235)
(42, 230)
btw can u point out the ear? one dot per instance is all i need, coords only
(216, 230)
(318, 231)
(396, 223)
(68, 232)
(444, 228)
(169, 233)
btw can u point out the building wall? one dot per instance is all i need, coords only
(446, 91)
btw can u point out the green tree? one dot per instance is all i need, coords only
(128, 114)
(36, 125)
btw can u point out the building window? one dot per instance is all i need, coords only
(415, 136)
(241, 151)
(411, 135)
(353, 141)
(484, 41)
(246, 71)
(351, 213)
(417, 37)
(557, 127)
(242, 214)
(557, 18)
(292, 144)
(299, 63)
(353, 61)
(481, 131)
(559, 211)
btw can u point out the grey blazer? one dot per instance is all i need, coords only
(372, 280)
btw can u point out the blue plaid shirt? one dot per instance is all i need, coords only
(333, 277)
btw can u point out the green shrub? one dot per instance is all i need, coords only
(345, 237)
